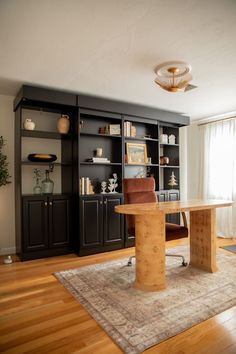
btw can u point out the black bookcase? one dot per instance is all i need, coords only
(72, 219)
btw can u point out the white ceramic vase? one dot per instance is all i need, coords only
(29, 124)
(63, 124)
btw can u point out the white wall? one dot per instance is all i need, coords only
(189, 161)
(7, 200)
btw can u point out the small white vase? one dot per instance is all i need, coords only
(29, 124)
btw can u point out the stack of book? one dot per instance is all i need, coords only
(99, 160)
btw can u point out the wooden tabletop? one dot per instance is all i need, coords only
(171, 207)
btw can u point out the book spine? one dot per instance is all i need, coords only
(82, 185)
(87, 185)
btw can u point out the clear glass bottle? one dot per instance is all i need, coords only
(47, 184)
(37, 188)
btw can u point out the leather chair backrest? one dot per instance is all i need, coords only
(138, 190)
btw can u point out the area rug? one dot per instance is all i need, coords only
(137, 320)
(231, 248)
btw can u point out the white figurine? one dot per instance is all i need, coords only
(104, 186)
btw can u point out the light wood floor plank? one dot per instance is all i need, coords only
(38, 315)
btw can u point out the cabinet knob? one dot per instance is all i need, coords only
(50, 203)
(100, 202)
(45, 203)
(105, 202)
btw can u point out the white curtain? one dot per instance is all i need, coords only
(218, 170)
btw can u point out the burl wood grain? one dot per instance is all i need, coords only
(203, 239)
(150, 252)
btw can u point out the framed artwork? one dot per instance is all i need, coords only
(136, 153)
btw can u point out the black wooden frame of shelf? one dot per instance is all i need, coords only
(101, 135)
(141, 139)
(170, 166)
(43, 134)
(45, 163)
(141, 164)
(169, 144)
(101, 163)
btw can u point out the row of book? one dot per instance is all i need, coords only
(129, 129)
(86, 186)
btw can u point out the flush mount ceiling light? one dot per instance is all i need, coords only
(174, 76)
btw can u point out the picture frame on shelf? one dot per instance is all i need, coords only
(136, 154)
(114, 129)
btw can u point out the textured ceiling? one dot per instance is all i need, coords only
(110, 48)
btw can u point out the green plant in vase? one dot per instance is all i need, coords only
(4, 174)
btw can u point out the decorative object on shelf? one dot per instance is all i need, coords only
(172, 181)
(164, 160)
(81, 122)
(29, 124)
(103, 186)
(86, 186)
(174, 76)
(149, 160)
(47, 183)
(112, 184)
(171, 139)
(98, 152)
(4, 174)
(136, 153)
(127, 128)
(7, 260)
(133, 131)
(63, 124)
(142, 173)
(42, 157)
(114, 129)
(163, 139)
(37, 176)
(98, 160)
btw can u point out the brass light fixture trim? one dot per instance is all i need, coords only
(173, 76)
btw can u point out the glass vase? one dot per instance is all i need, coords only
(37, 188)
(47, 184)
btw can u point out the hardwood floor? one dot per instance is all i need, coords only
(37, 314)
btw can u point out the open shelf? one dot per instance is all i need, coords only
(139, 138)
(169, 144)
(45, 163)
(43, 134)
(101, 163)
(101, 135)
(141, 164)
(168, 166)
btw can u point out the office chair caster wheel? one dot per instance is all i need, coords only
(184, 264)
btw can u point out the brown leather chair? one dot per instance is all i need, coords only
(142, 190)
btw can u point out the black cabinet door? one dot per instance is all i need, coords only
(173, 195)
(35, 223)
(59, 214)
(113, 222)
(91, 222)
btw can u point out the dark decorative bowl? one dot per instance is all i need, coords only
(42, 157)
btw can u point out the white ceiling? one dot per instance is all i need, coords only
(110, 48)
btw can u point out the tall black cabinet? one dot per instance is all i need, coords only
(78, 218)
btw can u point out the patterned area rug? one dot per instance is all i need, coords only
(231, 248)
(137, 320)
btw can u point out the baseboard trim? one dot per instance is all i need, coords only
(7, 251)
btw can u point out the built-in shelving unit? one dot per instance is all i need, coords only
(72, 219)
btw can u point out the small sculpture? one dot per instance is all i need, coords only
(104, 186)
(171, 139)
(172, 180)
(112, 184)
(29, 124)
